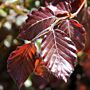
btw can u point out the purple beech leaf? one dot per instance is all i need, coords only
(38, 21)
(20, 63)
(75, 31)
(63, 37)
(58, 53)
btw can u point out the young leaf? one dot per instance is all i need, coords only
(20, 63)
(75, 31)
(39, 69)
(59, 53)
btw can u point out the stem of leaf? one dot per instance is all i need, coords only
(75, 14)
(59, 19)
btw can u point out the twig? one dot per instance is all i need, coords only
(75, 14)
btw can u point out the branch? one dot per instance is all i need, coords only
(75, 14)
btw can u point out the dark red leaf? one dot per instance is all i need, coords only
(37, 23)
(20, 63)
(59, 53)
(84, 19)
(75, 31)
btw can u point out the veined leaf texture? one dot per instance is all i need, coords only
(61, 36)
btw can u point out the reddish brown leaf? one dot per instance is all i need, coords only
(20, 63)
(75, 31)
(59, 53)
(41, 70)
(39, 67)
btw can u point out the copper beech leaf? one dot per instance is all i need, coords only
(39, 21)
(63, 36)
(75, 31)
(40, 68)
(59, 53)
(20, 63)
